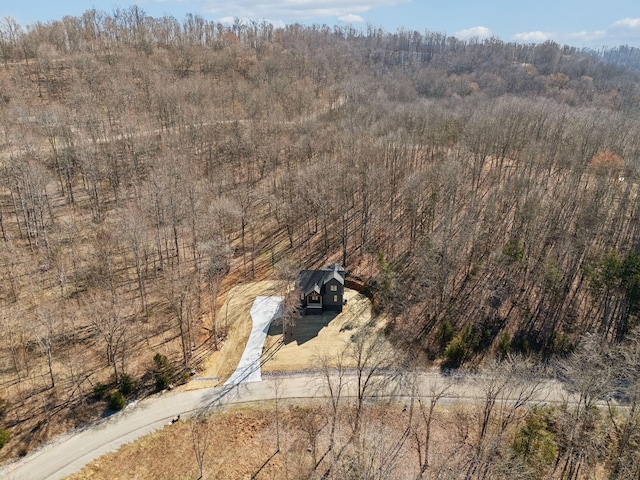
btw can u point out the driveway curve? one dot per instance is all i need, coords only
(263, 311)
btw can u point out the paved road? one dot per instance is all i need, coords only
(75, 449)
(72, 451)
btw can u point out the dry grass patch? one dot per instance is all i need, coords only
(243, 444)
(240, 442)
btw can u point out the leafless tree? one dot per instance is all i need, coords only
(109, 323)
(217, 258)
(589, 376)
(200, 431)
(508, 386)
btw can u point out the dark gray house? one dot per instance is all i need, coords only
(321, 290)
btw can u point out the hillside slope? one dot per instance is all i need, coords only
(484, 192)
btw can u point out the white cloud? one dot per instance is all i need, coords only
(474, 32)
(632, 24)
(626, 30)
(623, 31)
(351, 18)
(587, 37)
(296, 10)
(535, 37)
(247, 21)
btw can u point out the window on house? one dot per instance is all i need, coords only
(334, 288)
(335, 299)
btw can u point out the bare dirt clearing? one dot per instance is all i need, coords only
(316, 336)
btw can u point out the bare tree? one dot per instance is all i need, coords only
(373, 360)
(626, 421)
(588, 375)
(200, 431)
(217, 257)
(107, 320)
(508, 386)
(135, 232)
(334, 380)
(421, 416)
(48, 334)
(180, 290)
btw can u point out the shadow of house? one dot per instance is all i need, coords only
(321, 290)
(305, 329)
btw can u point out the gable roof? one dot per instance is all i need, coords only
(313, 280)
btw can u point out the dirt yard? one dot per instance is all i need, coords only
(313, 335)
(318, 335)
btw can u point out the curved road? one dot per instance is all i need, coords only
(70, 452)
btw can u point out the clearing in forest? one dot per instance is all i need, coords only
(316, 336)
(313, 335)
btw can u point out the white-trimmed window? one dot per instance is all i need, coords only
(333, 288)
(335, 299)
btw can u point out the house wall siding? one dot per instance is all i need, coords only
(327, 297)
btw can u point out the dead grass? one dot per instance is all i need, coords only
(244, 440)
(168, 454)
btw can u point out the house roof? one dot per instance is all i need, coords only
(312, 280)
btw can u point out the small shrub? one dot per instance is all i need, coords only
(535, 443)
(5, 435)
(117, 401)
(514, 250)
(160, 361)
(99, 391)
(126, 384)
(460, 348)
(504, 345)
(561, 344)
(445, 334)
(162, 382)
(520, 344)
(185, 377)
(456, 351)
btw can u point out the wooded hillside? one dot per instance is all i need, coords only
(486, 191)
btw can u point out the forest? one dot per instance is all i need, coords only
(485, 192)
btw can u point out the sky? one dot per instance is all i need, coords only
(580, 23)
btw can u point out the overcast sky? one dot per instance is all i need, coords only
(575, 22)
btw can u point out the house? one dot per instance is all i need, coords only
(321, 290)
